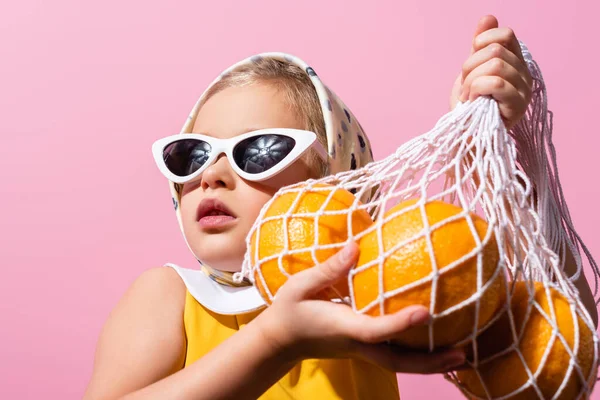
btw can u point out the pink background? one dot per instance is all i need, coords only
(85, 89)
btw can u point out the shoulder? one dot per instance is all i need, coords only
(157, 296)
(154, 289)
(151, 309)
(143, 338)
(159, 281)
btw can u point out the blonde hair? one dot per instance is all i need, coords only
(300, 96)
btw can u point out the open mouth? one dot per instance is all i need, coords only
(213, 213)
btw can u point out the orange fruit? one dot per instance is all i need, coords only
(301, 231)
(412, 262)
(507, 373)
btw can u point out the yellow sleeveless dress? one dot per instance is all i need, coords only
(346, 379)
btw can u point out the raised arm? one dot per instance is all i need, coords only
(582, 285)
(496, 68)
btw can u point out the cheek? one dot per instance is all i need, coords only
(255, 198)
(188, 206)
(259, 193)
(297, 172)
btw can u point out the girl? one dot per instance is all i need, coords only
(267, 122)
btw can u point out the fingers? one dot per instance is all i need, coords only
(400, 360)
(497, 53)
(367, 329)
(485, 23)
(510, 100)
(495, 67)
(369, 332)
(309, 282)
(504, 36)
(489, 34)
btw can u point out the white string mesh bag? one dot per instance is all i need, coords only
(469, 160)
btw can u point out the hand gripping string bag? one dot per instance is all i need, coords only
(470, 221)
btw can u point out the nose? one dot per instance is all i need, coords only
(218, 175)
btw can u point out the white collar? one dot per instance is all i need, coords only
(219, 298)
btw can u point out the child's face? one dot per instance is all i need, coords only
(229, 113)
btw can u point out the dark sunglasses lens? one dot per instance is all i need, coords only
(261, 153)
(186, 156)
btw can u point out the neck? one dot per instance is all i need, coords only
(224, 277)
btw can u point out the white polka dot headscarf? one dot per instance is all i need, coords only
(347, 145)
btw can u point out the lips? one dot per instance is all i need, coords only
(213, 213)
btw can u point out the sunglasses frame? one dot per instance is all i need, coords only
(304, 140)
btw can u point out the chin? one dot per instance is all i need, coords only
(221, 251)
(230, 265)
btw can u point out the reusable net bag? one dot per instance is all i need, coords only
(509, 180)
